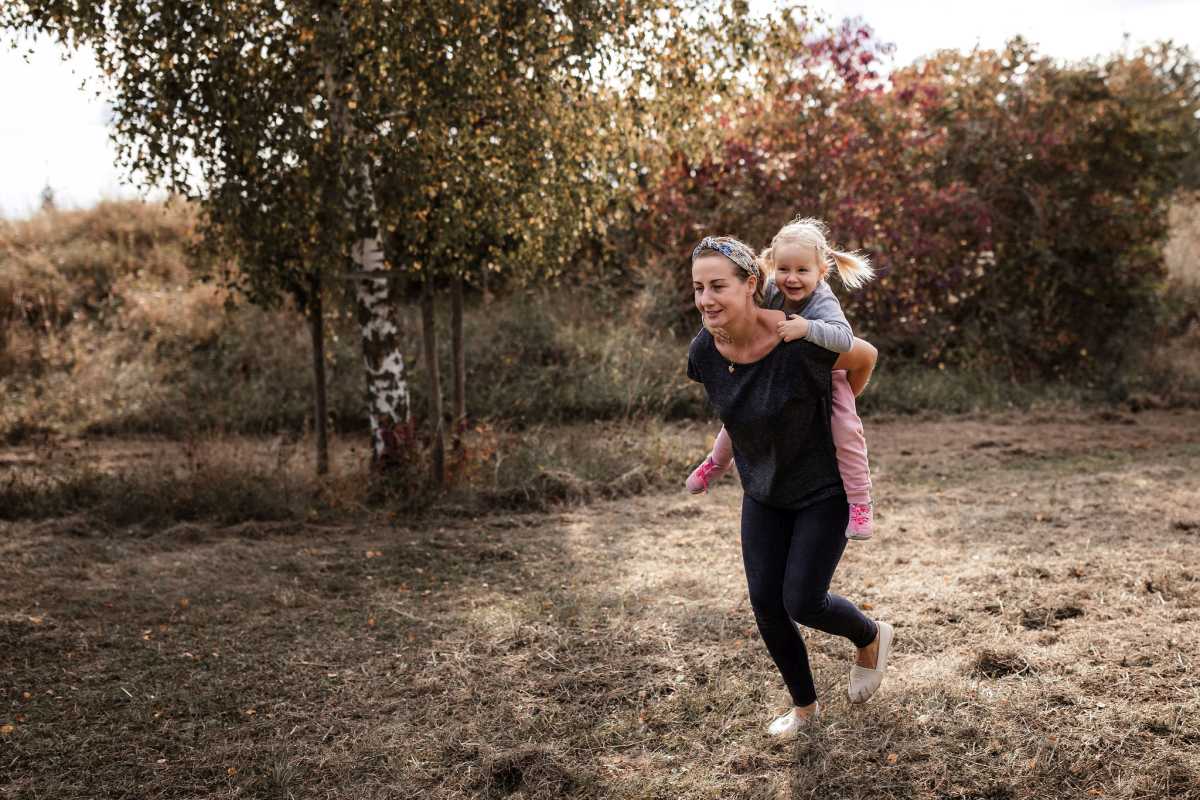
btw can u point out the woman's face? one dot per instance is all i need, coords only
(797, 270)
(721, 294)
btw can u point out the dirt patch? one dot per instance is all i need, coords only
(992, 664)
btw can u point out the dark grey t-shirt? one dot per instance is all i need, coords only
(777, 413)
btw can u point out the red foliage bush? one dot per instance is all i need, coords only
(1015, 207)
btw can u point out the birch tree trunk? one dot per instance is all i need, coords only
(429, 337)
(459, 361)
(388, 408)
(316, 322)
(387, 386)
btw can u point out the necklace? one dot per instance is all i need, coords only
(731, 366)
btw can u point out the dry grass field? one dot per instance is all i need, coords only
(1042, 572)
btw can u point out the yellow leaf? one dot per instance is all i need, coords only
(5, 730)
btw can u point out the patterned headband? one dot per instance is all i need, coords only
(738, 256)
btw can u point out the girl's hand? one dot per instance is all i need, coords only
(720, 334)
(794, 328)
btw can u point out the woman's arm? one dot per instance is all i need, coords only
(859, 363)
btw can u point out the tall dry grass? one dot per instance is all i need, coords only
(105, 328)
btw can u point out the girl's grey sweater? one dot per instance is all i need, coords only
(827, 325)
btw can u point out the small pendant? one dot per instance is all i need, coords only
(731, 367)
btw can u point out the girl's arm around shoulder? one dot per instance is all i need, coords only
(859, 363)
(827, 325)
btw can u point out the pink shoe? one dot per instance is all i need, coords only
(859, 526)
(705, 474)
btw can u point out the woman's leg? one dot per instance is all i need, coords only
(766, 542)
(850, 442)
(817, 544)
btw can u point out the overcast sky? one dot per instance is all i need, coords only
(52, 131)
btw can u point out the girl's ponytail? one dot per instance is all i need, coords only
(853, 270)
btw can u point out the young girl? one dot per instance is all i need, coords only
(797, 262)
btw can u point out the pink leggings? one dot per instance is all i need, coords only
(847, 438)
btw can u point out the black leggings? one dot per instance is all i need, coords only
(790, 557)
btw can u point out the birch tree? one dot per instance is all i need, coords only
(520, 124)
(253, 111)
(435, 141)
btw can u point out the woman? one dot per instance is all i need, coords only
(775, 399)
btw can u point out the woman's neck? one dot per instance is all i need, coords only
(742, 331)
(749, 333)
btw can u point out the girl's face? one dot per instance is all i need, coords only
(721, 294)
(798, 270)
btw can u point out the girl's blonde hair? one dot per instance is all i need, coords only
(853, 269)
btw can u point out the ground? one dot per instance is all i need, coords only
(1042, 573)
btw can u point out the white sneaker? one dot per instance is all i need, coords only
(791, 723)
(864, 681)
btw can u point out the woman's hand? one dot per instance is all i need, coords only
(859, 363)
(792, 328)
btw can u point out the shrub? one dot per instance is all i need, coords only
(1017, 207)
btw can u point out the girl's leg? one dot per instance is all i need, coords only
(722, 451)
(849, 440)
(713, 467)
(817, 544)
(766, 542)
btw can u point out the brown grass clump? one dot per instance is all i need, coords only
(155, 482)
(993, 664)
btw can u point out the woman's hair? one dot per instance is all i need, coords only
(853, 269)
(742, 256)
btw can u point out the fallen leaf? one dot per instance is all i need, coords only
(184, 602)
(5, 730)
(892, 758)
